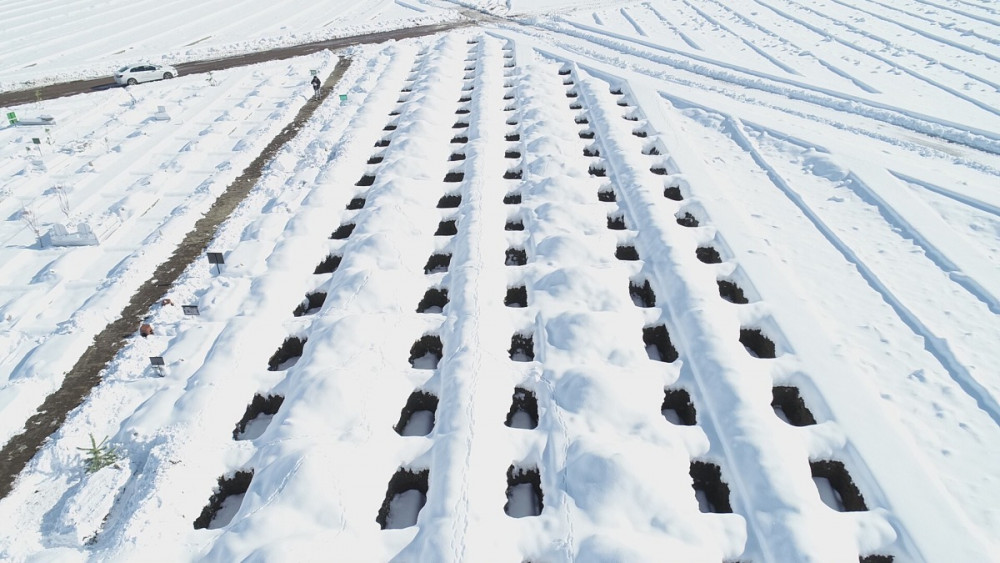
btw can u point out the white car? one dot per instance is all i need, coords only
(134, 74)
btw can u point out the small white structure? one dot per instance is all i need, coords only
(58, 235)
(43, 119)
(161, 114)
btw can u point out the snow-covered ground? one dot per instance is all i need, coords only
(676, 280)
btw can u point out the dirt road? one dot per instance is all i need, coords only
(62, 89)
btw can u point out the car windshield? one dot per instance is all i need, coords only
(123, 69)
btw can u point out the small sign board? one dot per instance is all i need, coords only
(215, 258)
(313, 72)
(36, 141)
(12, 117)
(156, 361)
(343, 98)
(190, 310)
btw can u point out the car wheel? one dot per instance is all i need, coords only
(167, 76)
(131, 82)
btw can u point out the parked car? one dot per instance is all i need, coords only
(134, 74)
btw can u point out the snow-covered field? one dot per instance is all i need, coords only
(680, 280)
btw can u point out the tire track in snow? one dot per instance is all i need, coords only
(684, 37)
(935, 345)
(744, 40)
(983, 19)
(962, 31)
(888, 203)
(951, 194)
(798, 50)
(921, 32)
(885, 60)
(967, 135)
(635, 24)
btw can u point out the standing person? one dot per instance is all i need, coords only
(315, 83)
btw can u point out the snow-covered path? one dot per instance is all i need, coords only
(714, 280)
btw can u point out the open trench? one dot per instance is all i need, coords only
(86, 372)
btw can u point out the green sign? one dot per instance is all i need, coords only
(36, 141)
(343, 97)
(12, 117)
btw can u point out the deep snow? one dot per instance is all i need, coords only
(837, 163)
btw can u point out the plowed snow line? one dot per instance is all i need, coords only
(937, 346)
(85, 374)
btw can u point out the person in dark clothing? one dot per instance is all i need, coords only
(315, 83)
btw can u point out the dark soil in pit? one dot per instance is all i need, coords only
(876, 559)
(85, 373)
(524, 492)
(417, 416)
(446, 228)
(642, 294)
(678, 407)
(328, 265)
(238, 484)
(376, 159)
(597, 171)
(516, 297)
(586, 134)
(787, 403)
(514, 174)
(437, 263)
(687, 220)
(311, 304)
(522, 348)
(395, 513)
(426, 352)
(673, 193)
(759, 345)
(514, 225)
(433, 301)
(356, 203)
(707, 482)
(512, 154)
(290, 349)
(344, 231)
(708, 255)
(456, 156)
(731, 292)
(523, 410)
(449, 201)
(510, 137)
(607, 195)
(591, 152)
(454, 177)
(616, 222)
(458, 139)
(366, 180)
(836, 474)
(658, 344)
(627, 253)
(258, 406)
(516, 257)
(512, 199)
